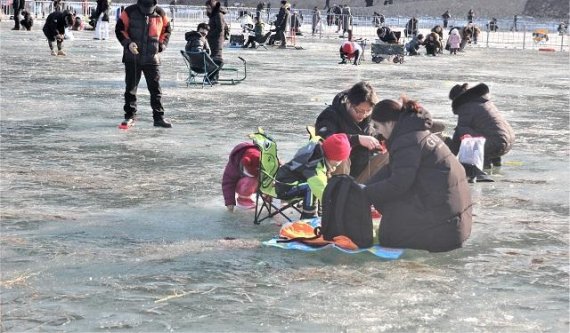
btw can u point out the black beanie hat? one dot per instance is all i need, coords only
(387, 110)
(458, 90)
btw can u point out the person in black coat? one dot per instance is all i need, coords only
(54, 30)
(422, 193)
(281, 21)
(411, 28)
(350, 113)
(386, 35)
(219, 32)
(478, 116)
(18, 7)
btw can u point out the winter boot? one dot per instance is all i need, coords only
(61, 53)
(53, 53)
(159, 120)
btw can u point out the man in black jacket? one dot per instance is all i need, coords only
(144, 30)
(350, 114)
(54, 30)
(18, 7)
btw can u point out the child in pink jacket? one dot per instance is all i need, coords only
(241, 176)
(454, 41)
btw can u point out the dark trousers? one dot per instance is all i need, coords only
(17, 18)
(133, 72)
(302, 190)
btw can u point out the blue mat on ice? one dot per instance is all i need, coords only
(377, 250)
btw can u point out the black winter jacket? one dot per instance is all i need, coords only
(478, 116)
(151, 34)
(54, 25)
(423, 193)
(337, 119)
(217, 34)
(196, 42)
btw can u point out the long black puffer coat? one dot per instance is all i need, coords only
(423, 193)
(478, 116)
(337, 119)
(218, 28)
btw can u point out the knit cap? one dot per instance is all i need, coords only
(336, 147)
(250, 161)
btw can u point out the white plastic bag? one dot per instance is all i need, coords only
(472, 151)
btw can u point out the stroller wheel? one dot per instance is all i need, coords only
(377, 59)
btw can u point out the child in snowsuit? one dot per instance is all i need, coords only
(350, 50)
(306, 175)
(454, 41)
(54, 30)
(241, 176)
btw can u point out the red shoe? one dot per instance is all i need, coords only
(245, 203)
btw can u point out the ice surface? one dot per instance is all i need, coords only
(110, 230)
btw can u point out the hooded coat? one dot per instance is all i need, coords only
(150, 32)
(337, 119)
(233, 172)
(423, 193)
(196, 42)
(478, 116)
(55, 24)
(217, 34)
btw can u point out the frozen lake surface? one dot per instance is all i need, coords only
(105, 230)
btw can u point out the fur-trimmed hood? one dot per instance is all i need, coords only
(480, 91)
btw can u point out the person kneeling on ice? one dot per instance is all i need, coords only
(241, 176)
(350, 50)
(306, 175)
(423, 192)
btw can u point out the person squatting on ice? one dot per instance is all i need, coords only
(241, 176)
(144, 30)
(28, 21)
(306, 175)
(350, 50)
(349, 114)
(54, 30)
(102, 17)
(422, 193)
(477, 115)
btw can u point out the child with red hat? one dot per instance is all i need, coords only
(241, 176)
(306, 175)
(350, 50)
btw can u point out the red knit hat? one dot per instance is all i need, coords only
(250, 161)
(348, 48)
(336, 147)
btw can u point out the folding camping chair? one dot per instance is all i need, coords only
(269, 165)
(199, 63)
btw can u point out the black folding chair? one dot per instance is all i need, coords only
(199, 64)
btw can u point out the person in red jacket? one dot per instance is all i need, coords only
(144, 30)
